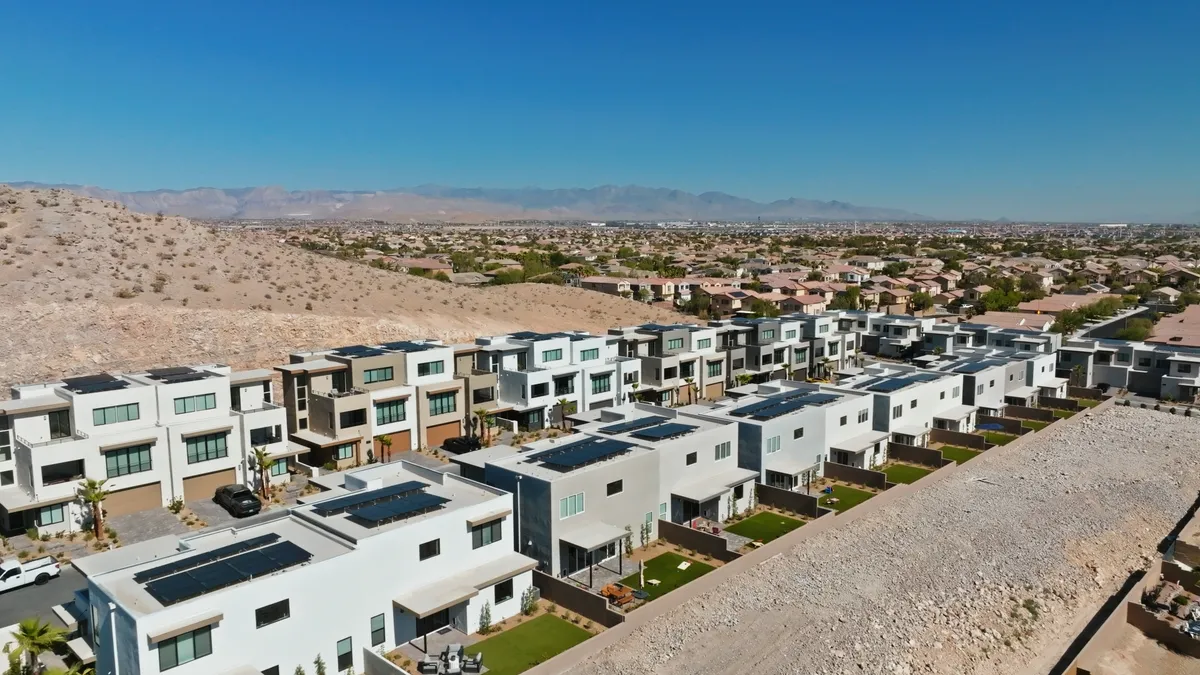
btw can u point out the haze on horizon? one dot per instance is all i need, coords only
(1057, 111)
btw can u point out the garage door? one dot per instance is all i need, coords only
(205, 485)
(140, 498)
(438, 433)
(401, 442)
(714, 391)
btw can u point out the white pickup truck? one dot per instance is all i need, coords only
(15, 574)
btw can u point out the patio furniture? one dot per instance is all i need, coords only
(453, 659)
(473, 664)
(653, 582)
(429, 664)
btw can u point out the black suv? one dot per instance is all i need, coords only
(461, 444)
(238, 500)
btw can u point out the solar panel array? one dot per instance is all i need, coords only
(228, 572)
(204, 558)
(889, 385)
(582, 453)
(632, 425)
(662, 432)
(398, 509)
(867, 383)
(406, 346)
(357, 351)
(971, 368)
(91, 384)
(337, 505)
(788, 406)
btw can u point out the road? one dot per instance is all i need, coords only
(34, 600)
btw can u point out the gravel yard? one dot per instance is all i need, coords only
(987, 572)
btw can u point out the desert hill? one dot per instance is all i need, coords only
(89, 285)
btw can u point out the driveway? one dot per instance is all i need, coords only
(36, 601)
(216, 517)
(145, 525)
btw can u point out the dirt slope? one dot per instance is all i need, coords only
(87, 284)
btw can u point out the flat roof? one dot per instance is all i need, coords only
(316, 365)
(255, 375)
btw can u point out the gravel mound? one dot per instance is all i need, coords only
(985, 572)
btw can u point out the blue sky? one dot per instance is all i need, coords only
(1058, 110)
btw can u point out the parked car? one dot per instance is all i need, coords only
(239, 500)
(15, 574)
(461, 444)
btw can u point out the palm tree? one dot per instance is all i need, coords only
(691, 388)
(75, 669)
(263, 461)
(634, 394)
(743, 379)
(92, 492)
(34, 637)
(385, 442)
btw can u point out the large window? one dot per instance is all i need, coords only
(430, 549)
(60, 423)
(430, 368)
(863, 415)
(276, 611)
(345, 654)
(615, 488)
(789, 335)
(601, 383)
(504, 591)
(552, 355)
(589, 354)
(801, 356)
(772, 444)
(122, 462)
(389, 412)
(51, 515)
(206, 447)
(184, 648)
(189, 404)
(798, 433)
(540, 389)
(116, 413)
(714, 368)
(767, 334)
(377, 375)
(353, 418)
(570, 506)
(675, 343)
(723, 450)
(704, 343)
(279, 467)
(898, 411)
(266, 435)
(378, 630)
(443, 403)
(487, 533)
(344, 451)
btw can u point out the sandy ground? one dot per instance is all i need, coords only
(1139, 655)
(87, 284)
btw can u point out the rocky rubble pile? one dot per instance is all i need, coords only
(985, 572)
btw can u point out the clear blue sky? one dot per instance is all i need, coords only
(1026, 109)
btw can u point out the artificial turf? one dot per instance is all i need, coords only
(958, 454)
(905, 473)
(847, 498)
(522, 647)
(665, 568)
(764, 526)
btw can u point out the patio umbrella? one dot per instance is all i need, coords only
(641, 574)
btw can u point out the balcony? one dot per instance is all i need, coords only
(352, 391)
(75, 436)
(265, 406)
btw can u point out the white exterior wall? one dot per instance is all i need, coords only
(409, 423)
(414, 359)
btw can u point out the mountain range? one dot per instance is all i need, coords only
(453, 204)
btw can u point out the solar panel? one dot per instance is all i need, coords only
(924, 377)
(632, 425)
(663, 432)
(363, 497)
(194, 561)
(90, 384)
(224, 573)
(889, 385)
(753, 408)
(563, 448)
(587, 453)
(779, 409)
(406, 346)
(868, 383)
(158, 373)
(355, 351)
(819, 398)
(398, 509)
(971, 368)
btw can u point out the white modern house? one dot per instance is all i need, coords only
(390, 554)
(909, 401)
(154, 436)
(680, 362)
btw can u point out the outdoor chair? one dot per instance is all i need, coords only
(429, 664)
(473, 664)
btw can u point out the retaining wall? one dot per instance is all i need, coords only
(1007, 425)
(578, 600)
(918, 455)
(1059, 403)
(851, 474)
(1024, 413)
(695, 540)
(959, 438)
(805, 505)
(1085, 392)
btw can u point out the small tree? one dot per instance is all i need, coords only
(743, 379)
(485, 618)
(319, 665)
(385, 444)
(482, 415)
(92, 492)
(262, 460)
(299, 671)
(628, 540)
(528, 601)
(644, 534)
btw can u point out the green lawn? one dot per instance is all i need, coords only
(904, 473)
(958, 454)
(847, 497)
(665, 568)
(1034, 424)
(525, 646)
(1087, 402)
(998, 438)
(1064, 414)
(765, 526)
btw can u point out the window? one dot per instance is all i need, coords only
(772, 444)
(430, 549)
(116, 413)
(389, 412)
(570, 506)
(723, 451)
(991, 384)
(823, 329)
(60, 423)
(833, 348)
(489, 533)
(714, 368)
(6, 477)
(504, 591)
(863, 415)
(206, 447)
(704, 343)
(377, 375)
(767, 334)
(979, 390)
(589, 354)
(344, 451)
(1010, 377)
(353, 418)
(675, 343)
(279, 467)
(1143, 361)
(443, 404)
(378, 628)
(430, 368)
(615, 488)
(798, 433)
(276, 611)
(842, 422)
(912, 404)
(957, 392)
(801, 356)
(601, 383)
(898, 411)
(345, 654)
(1122, 357)
(51, 515)
(122, 462)
(738, 364)
(739, 491)
(1185, 368)
(690, 459)
(184, 648)
(266, 435)
(552, 355)
(662, 511)
(942, 396)
(789, 335)
(538, 390)
(188, 404)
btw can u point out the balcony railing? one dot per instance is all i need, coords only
(75, 436)
(266, 405)
(352, 391)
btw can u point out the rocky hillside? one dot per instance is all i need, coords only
(89, 284)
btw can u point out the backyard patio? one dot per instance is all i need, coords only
(958, 454)
(903, 472)
(532, 642)
(844, 498)
(763, 527)
(663, 574)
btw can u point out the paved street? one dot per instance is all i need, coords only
(34, 600)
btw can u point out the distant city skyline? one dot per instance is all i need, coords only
(1066, 111)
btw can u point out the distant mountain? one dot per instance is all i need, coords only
(436, 202)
